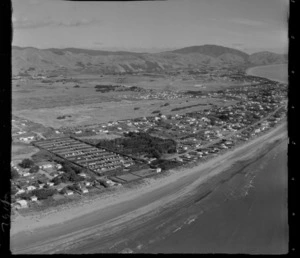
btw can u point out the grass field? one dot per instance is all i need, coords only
(44, 102)
(112, 111)
(22, 151)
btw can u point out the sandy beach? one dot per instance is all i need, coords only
(74, 225)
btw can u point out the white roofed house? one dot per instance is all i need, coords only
(21, 204)
(30, 188)
(45, 165)
(69, 192)
(33, 198)
(84, 190)
(27, 139)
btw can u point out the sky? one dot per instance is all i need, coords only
(152, 26)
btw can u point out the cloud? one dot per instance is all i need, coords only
(25, 23)
(252, 23)
(241, 21)
(98, 43)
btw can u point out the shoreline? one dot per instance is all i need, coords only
(202, 173)
(249, 71)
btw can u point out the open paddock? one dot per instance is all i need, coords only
(87, 114)
(35, 94)
(22, 151)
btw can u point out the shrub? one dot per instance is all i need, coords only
(26, 163)
(57, 180)
(43, 193)
(34, 169)
(25, 196)
(14, 173)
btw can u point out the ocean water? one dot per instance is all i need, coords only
(246, 213)
(273, 72)
(244, 210)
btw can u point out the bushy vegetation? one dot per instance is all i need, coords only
(164, 164)
(155, 112)
(34, 169)
(63, 117)
(140, 144)
(70, 175)
(109, 87)
(26, 163)
(14, 173)
(41, 194)
(190, 106)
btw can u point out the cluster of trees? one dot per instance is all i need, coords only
(164, 164)
(63, 117)
(190, 106)
(140, 143)
(71, 174)
(28, 163)
(155, 111)
(164, 124)
(14, 173)
(41, 194)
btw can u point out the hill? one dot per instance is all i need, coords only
(62, 61)
(212, 50)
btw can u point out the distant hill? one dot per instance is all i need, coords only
(265, 58)
(40, 61)
(212, 50)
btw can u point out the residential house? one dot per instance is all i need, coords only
(30, 188)
(26, 139)
(33, 198)
(84, 190)
(20, 191)
(69, 192)
(21, 204)
(45, 165)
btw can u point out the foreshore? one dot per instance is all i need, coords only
(125, 204)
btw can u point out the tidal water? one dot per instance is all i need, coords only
(277, 72)
(246, 213)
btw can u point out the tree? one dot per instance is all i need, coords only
(26, 163)
(14, 173)
(13, 190)
(34, 169)
(43, 193)
(57, 180)
(25, 196)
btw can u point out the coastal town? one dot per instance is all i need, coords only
(71, 163)
(148, 127)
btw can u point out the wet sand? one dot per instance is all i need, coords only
(80, 229)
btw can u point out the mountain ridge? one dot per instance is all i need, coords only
(33, 60)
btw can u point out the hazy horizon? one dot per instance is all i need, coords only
(152, 26)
